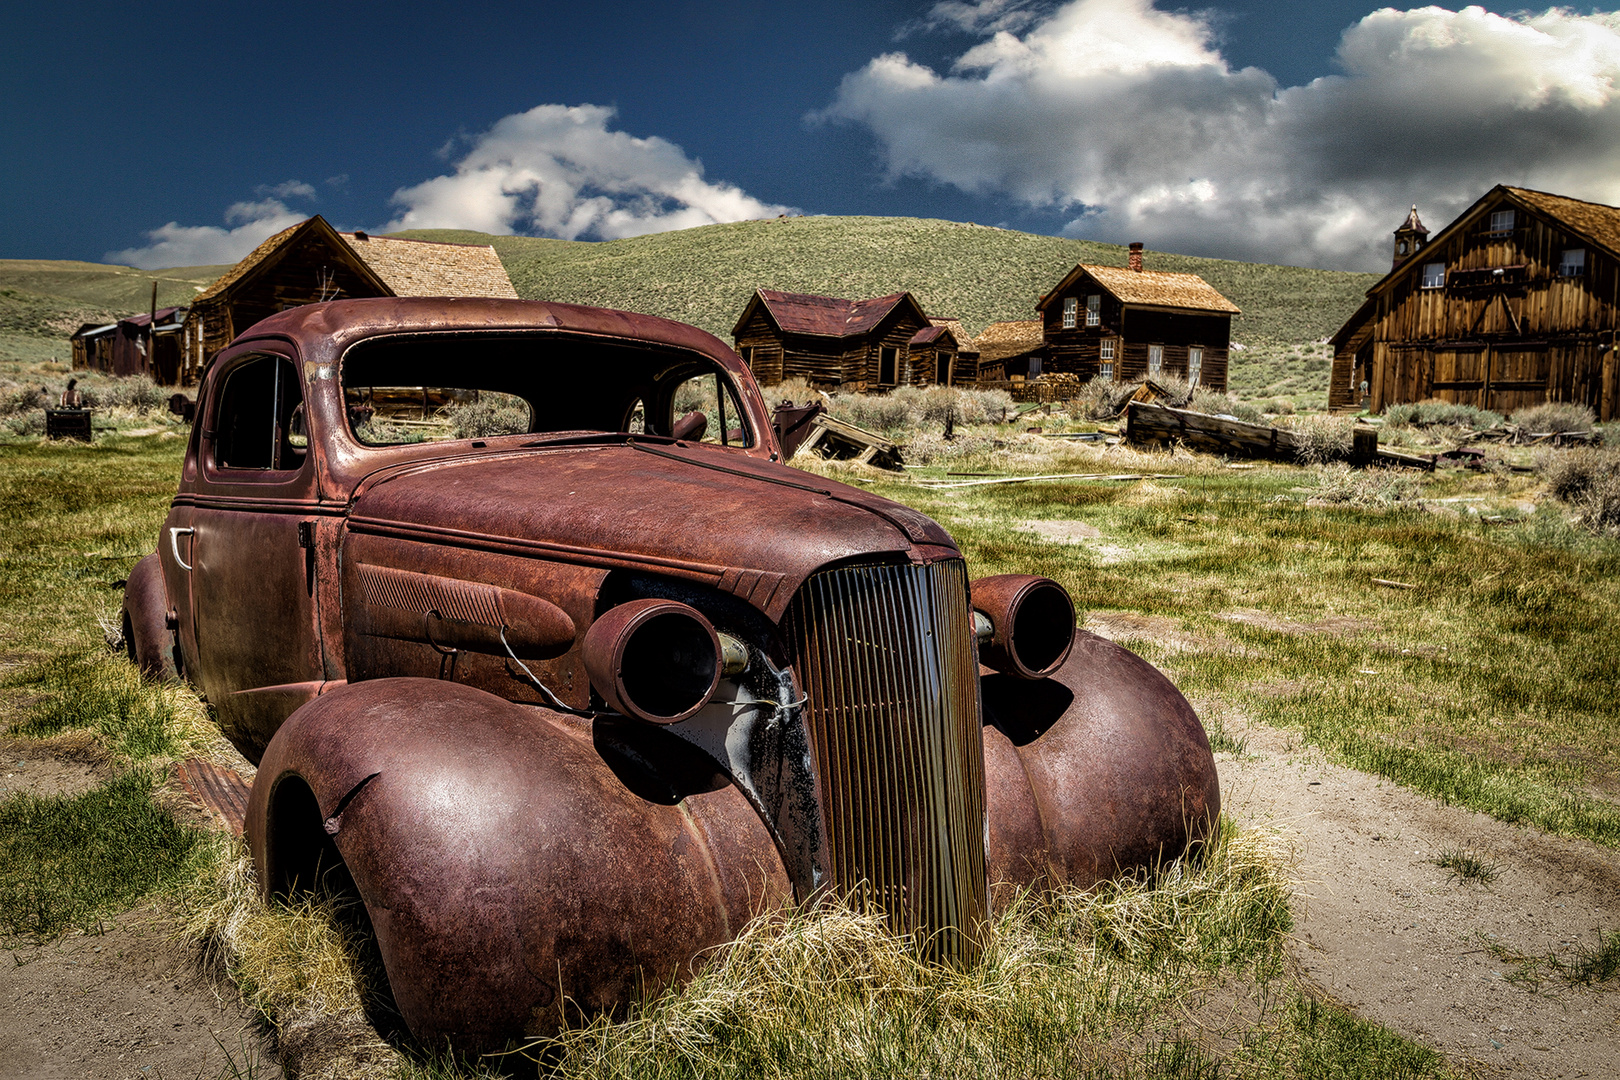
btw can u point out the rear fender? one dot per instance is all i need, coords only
(1100, 770)
(519, 870)
(148, 636)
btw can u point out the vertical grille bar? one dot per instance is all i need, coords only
(885, 655)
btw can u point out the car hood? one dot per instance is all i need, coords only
(752, 528)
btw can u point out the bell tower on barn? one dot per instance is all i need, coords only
(1409, 237)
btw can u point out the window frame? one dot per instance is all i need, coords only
(217, 472)
(1427, 282)
(1155, 360)
(1575, 268)
(1071, 312)
(1502, 222)
(1094, 309)
(1195, 364)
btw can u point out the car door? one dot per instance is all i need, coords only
(252, 571)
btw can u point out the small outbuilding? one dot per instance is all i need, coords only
(311, 262)
(146, 344)
(940, 355)
(1514, 303)
(1128, 324)
(1010, 351)
(831, 342)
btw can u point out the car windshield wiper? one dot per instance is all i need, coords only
(587, 438)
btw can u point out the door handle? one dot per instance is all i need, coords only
(174, 544)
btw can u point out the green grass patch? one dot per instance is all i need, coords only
(1488, 684)
(104, 693)
(1467, 865)
(69, 861)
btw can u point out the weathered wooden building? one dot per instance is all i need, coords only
(312, 261)
(1010, 350)
(1128, 323)
(1514, 303)
(146, 344)
(940, 354)
(828, 341)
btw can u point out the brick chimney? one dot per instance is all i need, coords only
(1136, 257)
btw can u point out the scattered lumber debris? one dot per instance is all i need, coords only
(837, 439)
(1150, 424)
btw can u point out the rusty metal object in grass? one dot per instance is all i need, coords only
(566, 704)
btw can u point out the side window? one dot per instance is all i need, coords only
(1094, 309)
(259, 418)
(1195, 364)
(1434, 276)
(704, 409)
(1071, 309)
(1155, 360)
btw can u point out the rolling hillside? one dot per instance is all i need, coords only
(705, 275)
(977, 273)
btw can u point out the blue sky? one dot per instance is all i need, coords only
(177, 133)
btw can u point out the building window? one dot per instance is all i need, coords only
(1155, 360)
(1401, 248)
(748, 356)
(1573, 263)
(1501, 222)
(886, 365)
(1195, 364)
(1107, 348)
(1093, 310)
(1071, 308)
(1434, 275)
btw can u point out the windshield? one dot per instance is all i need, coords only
(439, 387)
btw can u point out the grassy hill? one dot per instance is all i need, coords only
(977, 273)
(704, 276)
(42, 301)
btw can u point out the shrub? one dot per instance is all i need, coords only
(17, 398)
(911, 408)
(488, 416)
(135, 392)
(1101, 399)
(1320, 438)
(1588, 480)
(27, 423)
(1341, 485)
(1555, 416)
(1432, 413)
(1208, 401)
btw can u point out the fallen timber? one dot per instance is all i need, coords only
(1147, 424)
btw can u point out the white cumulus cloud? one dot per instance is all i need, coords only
(247, 225)
(1130, 119)
(557, 170)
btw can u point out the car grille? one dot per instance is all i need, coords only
(886, 658)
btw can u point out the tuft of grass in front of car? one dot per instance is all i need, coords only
(1585, 966)
(69, 861)
(1487, 683)
(1098, 983)
(1466, 865)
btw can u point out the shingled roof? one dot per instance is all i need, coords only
(398, 266)
(1000, 340)
(1151, 288)
(428, 268)
(826, 316)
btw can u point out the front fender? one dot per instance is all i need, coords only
(519, 868)
(1100, 770)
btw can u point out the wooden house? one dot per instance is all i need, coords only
(828, 342)
(940, 354)
(311, 262)
(146, 344)
(1516, 302)
(1010, 351)
(1127, 323)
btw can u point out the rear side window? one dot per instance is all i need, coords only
(259, 418)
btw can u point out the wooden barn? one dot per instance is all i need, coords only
(1127, 323)
(828, 342)
(1513, 304)
(312, 261)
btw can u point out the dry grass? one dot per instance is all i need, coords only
(1587, 479)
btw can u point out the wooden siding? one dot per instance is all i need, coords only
(1498, 341)
(1078, 350)
(827, 362)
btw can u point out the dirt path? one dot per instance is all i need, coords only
(1404, 942)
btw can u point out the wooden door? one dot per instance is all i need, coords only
(1459, 375)
(1518, 377)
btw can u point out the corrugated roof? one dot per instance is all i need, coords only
(828, 316)
(1155, 288)
(1597, 222)
(428, 268)
(1000, 340)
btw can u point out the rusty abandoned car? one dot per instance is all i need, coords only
(532, 635)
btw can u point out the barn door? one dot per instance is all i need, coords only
(1518, 377)
(1459, 375)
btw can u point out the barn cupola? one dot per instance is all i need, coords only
(1409, 238)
